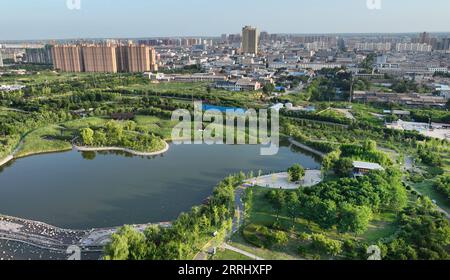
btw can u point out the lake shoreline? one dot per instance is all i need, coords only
(130, 151)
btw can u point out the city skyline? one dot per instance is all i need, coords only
(52, 19)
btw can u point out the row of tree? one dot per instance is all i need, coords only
(185, 237)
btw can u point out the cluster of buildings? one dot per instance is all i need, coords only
(433, 130)
(408, 99)
(104, 58)
(246, 60)
(8, 88)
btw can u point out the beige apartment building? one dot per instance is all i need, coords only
(99, 59)
(134, 59)
(67, 58)
(250, 40)
(104, 58)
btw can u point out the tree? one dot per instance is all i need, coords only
(114, 130)
(278, 200)
(268, 88)
(296, 173)
(344, 167)
(293, 204)
(354, 219)
(87, 136)
(326, 245)
(100, 138)
(370, 145)
(330, 159)
(126, 244)
(278, 237)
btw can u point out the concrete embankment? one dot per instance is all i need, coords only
(306, 148)
(136, 153)
(6, 160)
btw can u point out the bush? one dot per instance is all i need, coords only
(264, 237)
(326, 245)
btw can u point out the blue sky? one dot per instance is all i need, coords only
(51, 19)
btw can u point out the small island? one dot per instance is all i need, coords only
(120, 136)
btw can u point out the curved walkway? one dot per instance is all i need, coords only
(306, 148)
(136, 153)
(281, 180)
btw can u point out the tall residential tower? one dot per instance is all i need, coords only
(250, 40)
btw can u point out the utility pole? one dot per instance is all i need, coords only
(351, 90)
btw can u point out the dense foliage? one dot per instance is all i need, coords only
(115, 134)
(349, 203)
(424, 234)
(183, 239)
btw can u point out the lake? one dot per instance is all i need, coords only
(90, 190)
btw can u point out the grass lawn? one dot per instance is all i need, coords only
(426, 188)
(382, 226)
(85, 122)
(43, 140)
(228, 255)
(156, 125)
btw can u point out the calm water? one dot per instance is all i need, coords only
(85, 190)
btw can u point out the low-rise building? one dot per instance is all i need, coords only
(361, 168)
(248, 84)
(409, 99)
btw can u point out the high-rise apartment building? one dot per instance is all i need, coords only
(39, 55)
(132, 58)
(1, 59)
(250, 40)
(104, 58)
(425, 38)
(99, 59)
(67, 58)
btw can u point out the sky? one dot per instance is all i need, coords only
(52, 19)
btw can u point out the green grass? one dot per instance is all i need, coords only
(43, 140)
(228, 255)
(382, 226)
(85, 122)
(426, 188)
(156, 125)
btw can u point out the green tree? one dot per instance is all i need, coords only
(296, 173)
(87, 136)
(326, 245)
(126, 244)
(293, 204)
(344, 167)
(268, 88)
(354, 219)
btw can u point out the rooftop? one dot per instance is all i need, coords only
(367, 165)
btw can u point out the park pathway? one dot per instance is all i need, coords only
(242, 252)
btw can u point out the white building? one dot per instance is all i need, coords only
(413, 47)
